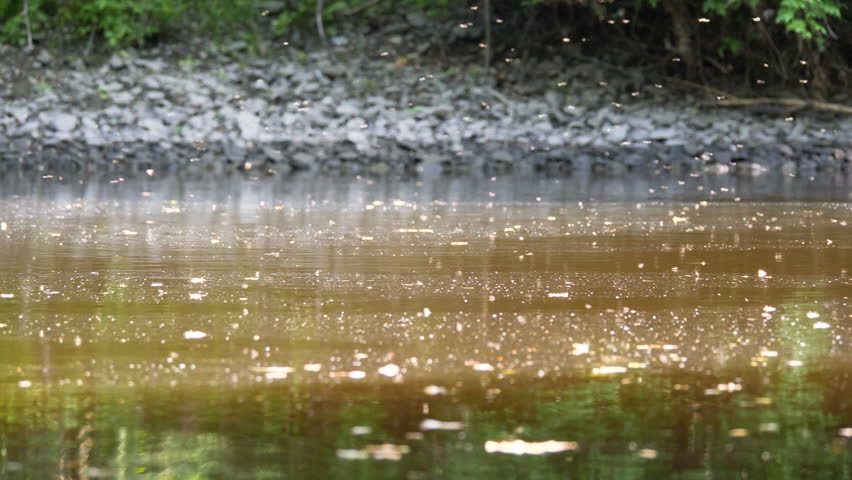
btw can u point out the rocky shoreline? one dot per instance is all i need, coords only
(383, 103)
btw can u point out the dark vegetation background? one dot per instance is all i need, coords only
(804, 45)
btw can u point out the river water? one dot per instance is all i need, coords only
(527, 328)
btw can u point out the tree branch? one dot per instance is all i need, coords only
(784, 102)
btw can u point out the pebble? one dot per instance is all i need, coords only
(353, 109)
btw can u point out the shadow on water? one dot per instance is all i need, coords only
(446, 327)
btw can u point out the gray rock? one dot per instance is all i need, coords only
(302, 160)
(154, 126)
(359, 138)
(249, 125)
(63, 122)
(122, 98)
(199, 101)
(116, 62)
(44, 56)
(273, 154)
(155, 96)
(502, 156)
(19, 113)
(617, 134)
(348, 108)
(662, 134)
(417, 19)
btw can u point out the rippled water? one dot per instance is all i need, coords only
(439, 328)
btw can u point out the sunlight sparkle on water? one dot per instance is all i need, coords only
(432, 424)
(521, 447)
(389, 370)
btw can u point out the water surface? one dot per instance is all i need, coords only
(437, 328)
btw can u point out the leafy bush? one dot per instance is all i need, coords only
(734, 31)
(805, 18)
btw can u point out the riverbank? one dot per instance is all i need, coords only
(387, 101)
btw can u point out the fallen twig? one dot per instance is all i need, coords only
(784, 102)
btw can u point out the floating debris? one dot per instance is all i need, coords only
(273, 373)
(312, 367)
(769, 427)
(520, 447)
(430, 424)
(821, 325)
(384, 451)
(25, 384)
(196, 280)
(352, 454)
(761, 273)
(389, 370)
(738, 433)
(580, 349)
(812, 315)
(193, 334)
(7, 295)
(483, 367)
(609, 370)
(648, 453)
(387, 451)
(433, 390)
(558, 295)
(361, 430)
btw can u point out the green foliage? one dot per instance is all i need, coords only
(807, 18)
(12, 20)
(804, 18)
(122, 22)
(127, 22)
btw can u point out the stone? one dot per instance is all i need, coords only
(249, 125)
(154, 126)
(617, 134)
(273, 154)
(302, 160)
(348, 108)
(359, 138)
(64, 122)
(122, 98)
(662, 134)
(417, 19)
(502, 156)
(116, 62)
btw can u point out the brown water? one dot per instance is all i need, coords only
(425, 329)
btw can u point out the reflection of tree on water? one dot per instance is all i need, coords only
(655, 422)
(77, 446)
(624, 430)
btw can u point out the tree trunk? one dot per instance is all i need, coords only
(681, 28)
